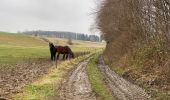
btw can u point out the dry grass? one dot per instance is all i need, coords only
(77, 43)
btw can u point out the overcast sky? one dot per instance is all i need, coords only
(54, 15)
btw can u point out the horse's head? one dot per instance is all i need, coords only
(51, 45)
(72, 55)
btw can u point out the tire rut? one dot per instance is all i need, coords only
(77, 86)
(120, 88)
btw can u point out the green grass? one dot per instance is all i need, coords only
(18, 47)
(37, 91)
(12, 54)
(97, 80)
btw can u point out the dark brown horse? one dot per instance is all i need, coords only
(65, 50)
(53, 51)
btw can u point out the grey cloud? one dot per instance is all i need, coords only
(64, 15)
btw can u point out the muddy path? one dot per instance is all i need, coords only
(77, 86)
(120, 88)
(14, 77)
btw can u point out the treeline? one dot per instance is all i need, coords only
(138, 35)
(66, 35)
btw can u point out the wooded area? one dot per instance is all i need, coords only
(137, 33)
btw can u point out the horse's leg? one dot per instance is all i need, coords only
(67, 56)
(63, 56)
(55, 56)
(51, 57)
(58, 56)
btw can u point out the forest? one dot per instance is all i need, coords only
(66, 35)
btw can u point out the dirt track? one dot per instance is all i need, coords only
(120, 88)
(77, 86)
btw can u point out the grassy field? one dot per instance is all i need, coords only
(12, 54)
(19, 47)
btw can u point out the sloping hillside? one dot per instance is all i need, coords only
(17, 47)
(20, 40)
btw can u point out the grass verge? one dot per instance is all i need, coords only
(97, 80)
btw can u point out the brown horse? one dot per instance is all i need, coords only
(65, 50)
